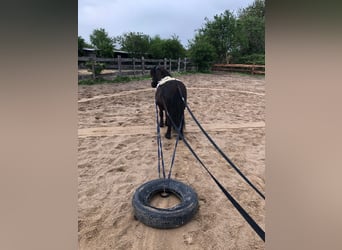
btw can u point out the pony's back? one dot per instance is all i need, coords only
(171, 96)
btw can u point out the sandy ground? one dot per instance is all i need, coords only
(117, 152)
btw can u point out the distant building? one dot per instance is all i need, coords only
(92, 51)
(89, 52)
(123, 54)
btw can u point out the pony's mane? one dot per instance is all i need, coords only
(163, 72)
(157, 73)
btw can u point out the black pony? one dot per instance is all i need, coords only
(170, 94)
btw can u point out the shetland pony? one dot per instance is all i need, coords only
(168, 97)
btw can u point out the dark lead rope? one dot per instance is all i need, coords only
(218, 149)
(160, 151)
(222, 154)
(174, 150)
(160, 148)
(243, 213)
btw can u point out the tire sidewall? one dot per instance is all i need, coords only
(164, 217)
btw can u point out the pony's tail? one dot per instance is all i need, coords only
(183, 96)
(177, 111)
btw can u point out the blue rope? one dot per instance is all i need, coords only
(160, 148)
(242, 212)
(219, 150)
(174, 150)
(159, 142)
(223, 155)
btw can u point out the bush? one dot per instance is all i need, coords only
(251, 59)
(98, 67)
(202, 54)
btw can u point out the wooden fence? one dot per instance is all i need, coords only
(119, 66)
(246, 68)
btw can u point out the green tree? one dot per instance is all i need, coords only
(173, 48)
(100, 40)
(156, 48)
(166, 48)
(202, 53)
(220, 33)
(236, 39)
(250, 34)
(81, 45)
(136, 43)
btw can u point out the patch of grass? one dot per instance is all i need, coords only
(117, 79)
(91, 81)
(175, 74)
(248, 74)
(123, 79)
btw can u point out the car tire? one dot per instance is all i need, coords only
(164, 218)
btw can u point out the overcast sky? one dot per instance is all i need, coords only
(151, 17)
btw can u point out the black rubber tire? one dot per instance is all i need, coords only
(169, 217)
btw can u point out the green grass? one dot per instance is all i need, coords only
(248, 74)
(123, 79)
(118, 79)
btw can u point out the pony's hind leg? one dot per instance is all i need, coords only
(161, 118)
(168, 132)
(166, 121)
(181, 133)
(181, 130)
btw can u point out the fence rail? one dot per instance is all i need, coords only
(119, 66)
(249, 68)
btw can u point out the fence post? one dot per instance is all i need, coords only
(184, 64)
(134, 66)
(93, 62)
(143, 65)
(119, 65)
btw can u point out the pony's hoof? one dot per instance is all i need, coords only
(161, 125)
(167, 136)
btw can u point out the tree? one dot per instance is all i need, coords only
(136, 43)
(202, 53)
(166, 48)
(250, 34)
(81, 45)
(214, 42)
(105, 45)
(156, 48)
(173, 48)
(237, 39)
(220, 33)
(251, 29)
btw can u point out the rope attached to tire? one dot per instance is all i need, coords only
(164, 218)
(183, 212)
(160, 147)
(221, 152)
(243, 213)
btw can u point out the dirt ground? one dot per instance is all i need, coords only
(117, 152)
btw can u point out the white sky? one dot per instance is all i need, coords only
(151, 17)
